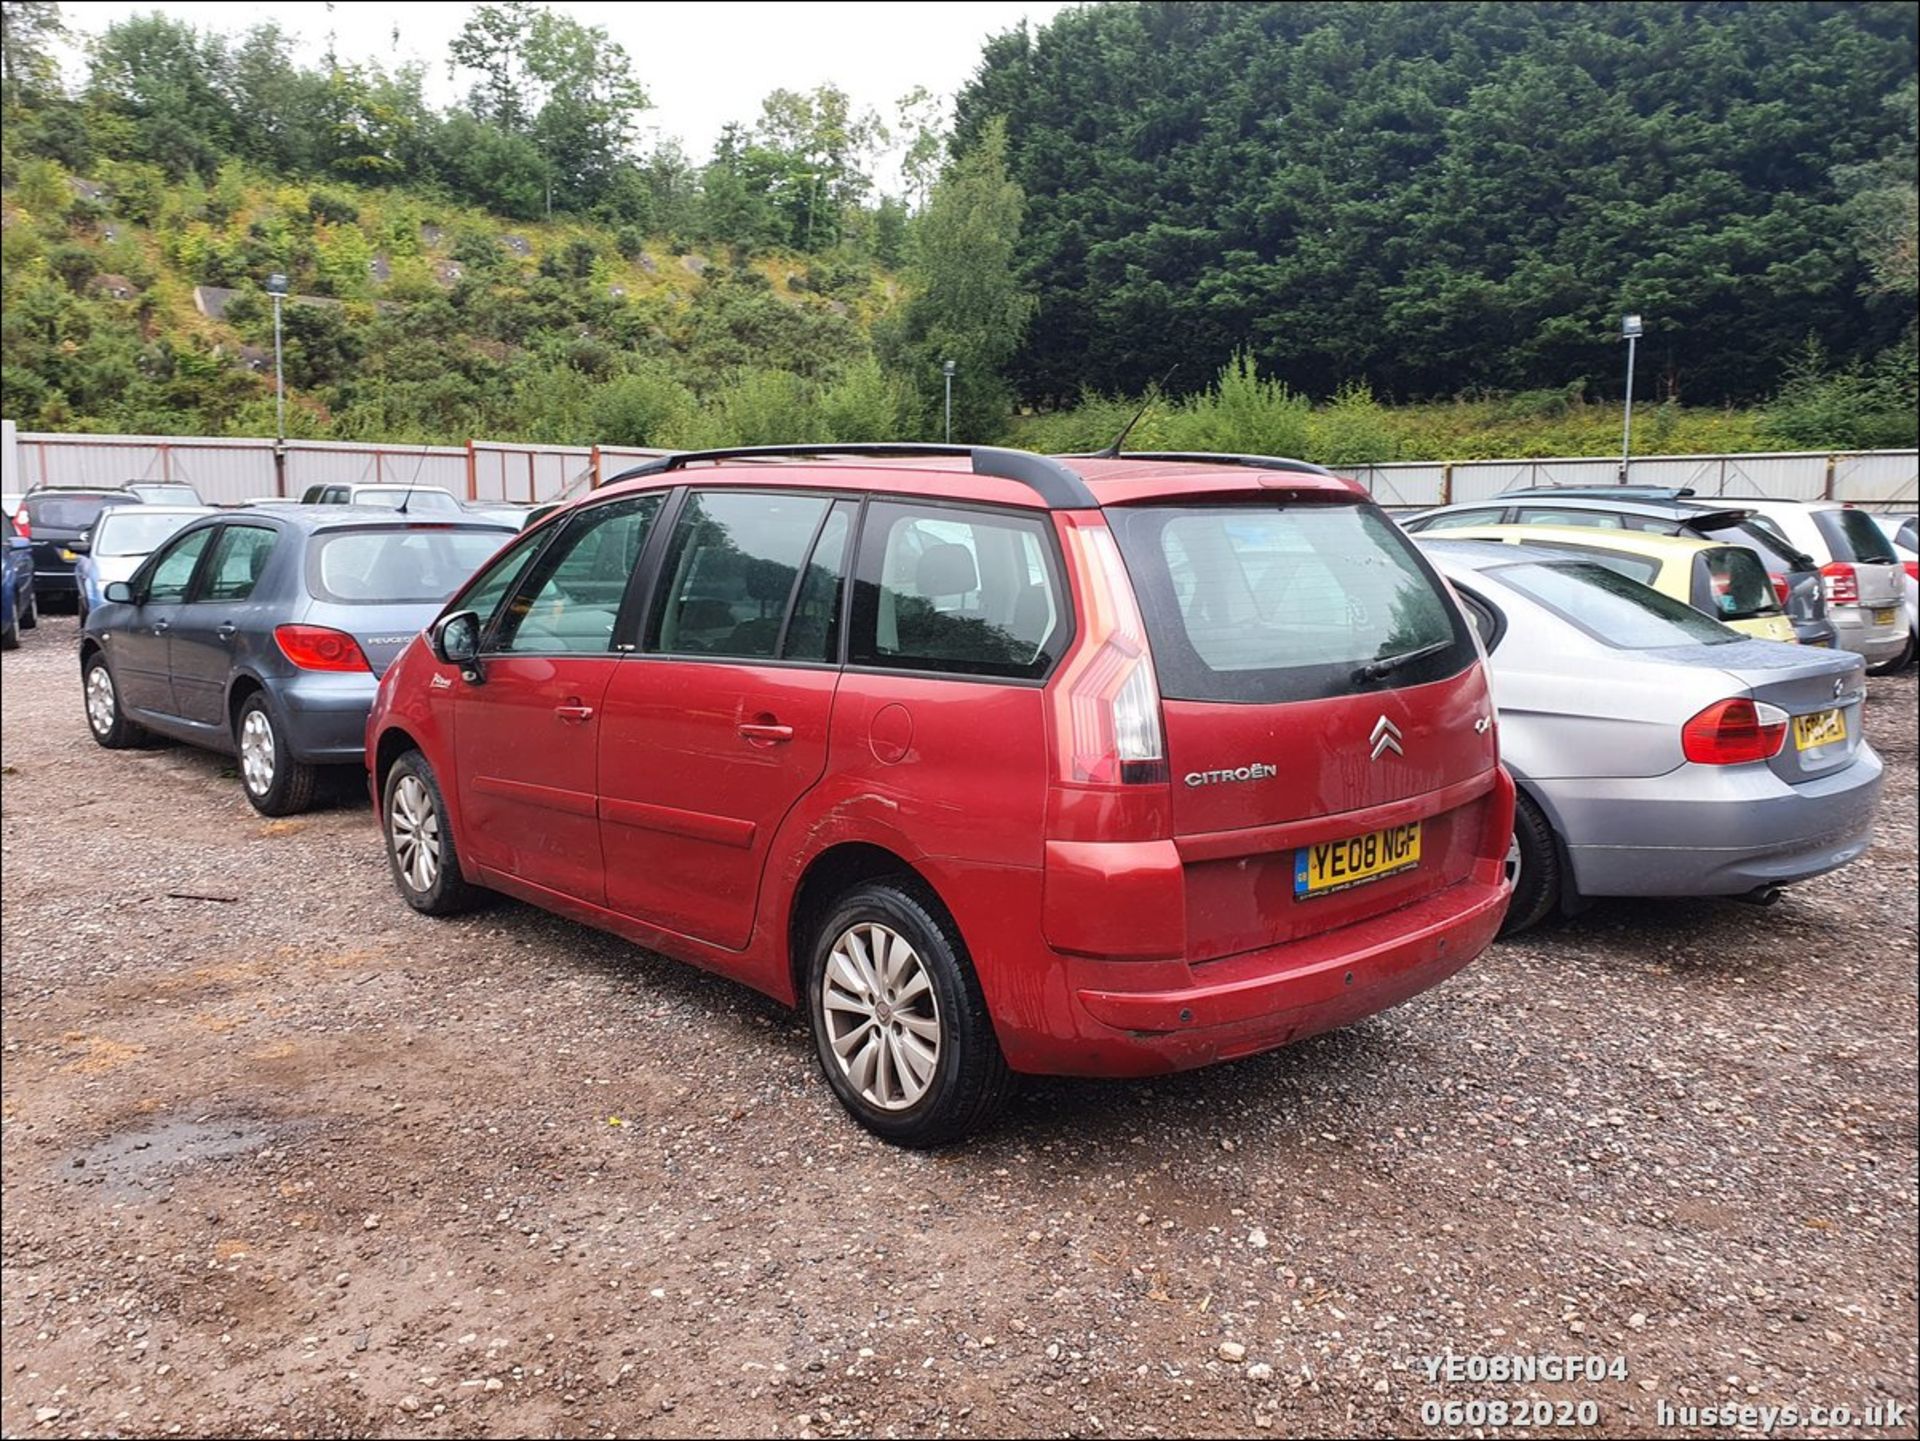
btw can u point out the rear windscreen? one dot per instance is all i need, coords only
(396, 565)
(1737, 585)
(66, 512)
(1285, 601)
(419, 498)
(1611, 608)
(1853, 535)
(1774, 550)
(135, 530)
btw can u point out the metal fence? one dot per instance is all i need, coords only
(230, 471)
(1878, 479)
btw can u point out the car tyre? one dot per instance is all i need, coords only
(105, 719)
(1533, 861)
(29, 615)
(899, 1022)
(421, 851)
(10, 637)
(276, 783)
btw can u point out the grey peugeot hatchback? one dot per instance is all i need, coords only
(263, 634)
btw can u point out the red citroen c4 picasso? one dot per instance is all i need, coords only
(994, 762)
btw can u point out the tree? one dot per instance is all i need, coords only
(28, 31)
(814, 155)
(921, 130)
(970, 307)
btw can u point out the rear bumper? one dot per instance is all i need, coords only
(1268, 998)
(1854, 630)
(325, 715)
(1816, 632)
(1708, 832)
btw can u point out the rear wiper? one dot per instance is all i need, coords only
(1374, 669)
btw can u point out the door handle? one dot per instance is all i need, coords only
(161, 627)
(226, 630)
(768, 734)
(574, 711)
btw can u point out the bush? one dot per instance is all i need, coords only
(74, 264)
(867, 404)
(332, 209)
(1855, 408)
(630, 241)
(1242, 414)
(1355, 429)
(647, 407)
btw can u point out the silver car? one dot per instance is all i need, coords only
(1864, 579)
(1657, 752)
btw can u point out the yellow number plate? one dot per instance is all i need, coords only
(1330, 866)
(1822, 728)
(1885, 616)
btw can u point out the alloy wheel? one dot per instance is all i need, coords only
(257, 752)
(1513, 861)
(882, 1015)
(102, 705)
(415, 827)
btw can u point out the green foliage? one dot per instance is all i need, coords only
(1243, 412)
(1853, 407)
(1437, 199)
(971, 308)
(1354, 429)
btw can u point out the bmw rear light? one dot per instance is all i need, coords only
(1107, 704)
(1733, 732)
(318, 647)
(1780, 588)
(1843, 583)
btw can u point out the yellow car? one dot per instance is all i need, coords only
(1727, 582)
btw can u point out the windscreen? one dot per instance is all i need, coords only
(1854, 536)
(1285, 601)
(1738, 585)
(135, 530)
(396, 565)
(68, 512)
(1611, 608)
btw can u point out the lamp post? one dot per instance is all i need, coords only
(277, 288)
(1630, 329)
(947, 367)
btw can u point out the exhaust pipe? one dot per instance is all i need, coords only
(1762, 895)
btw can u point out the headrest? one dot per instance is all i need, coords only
(946, 570)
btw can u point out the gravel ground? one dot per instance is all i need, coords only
(300, 1161)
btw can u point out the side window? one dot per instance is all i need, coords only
(172, 569)
(240, 556)
(813, 631)
(961, 591)
(571, 598)
(1547, 515)
(485, 591)
(731, 570)
(1457, 519)
(1485, 624)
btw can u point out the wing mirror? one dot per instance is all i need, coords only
(82, 546)
(455, 640)
(118, 592)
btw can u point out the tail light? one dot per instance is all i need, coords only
(1107, 703)
(1780, 588)
(318, 647)
(1843, 583)
(1733, 732)
(1913, 569)
(20, 524)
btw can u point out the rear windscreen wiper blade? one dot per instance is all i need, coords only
(1374, 669)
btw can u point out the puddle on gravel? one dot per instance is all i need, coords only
(136, 1160)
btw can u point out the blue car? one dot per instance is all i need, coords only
(17, 609)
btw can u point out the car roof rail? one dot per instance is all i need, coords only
(1208, 457)
(1055, 482)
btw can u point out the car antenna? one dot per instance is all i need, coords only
(1153, 393)
(406, 494)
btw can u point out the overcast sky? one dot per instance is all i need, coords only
(704, 64)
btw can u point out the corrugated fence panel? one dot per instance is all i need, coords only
(318, 462)
(227, 471)
(527, 473)
(1886, 479)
